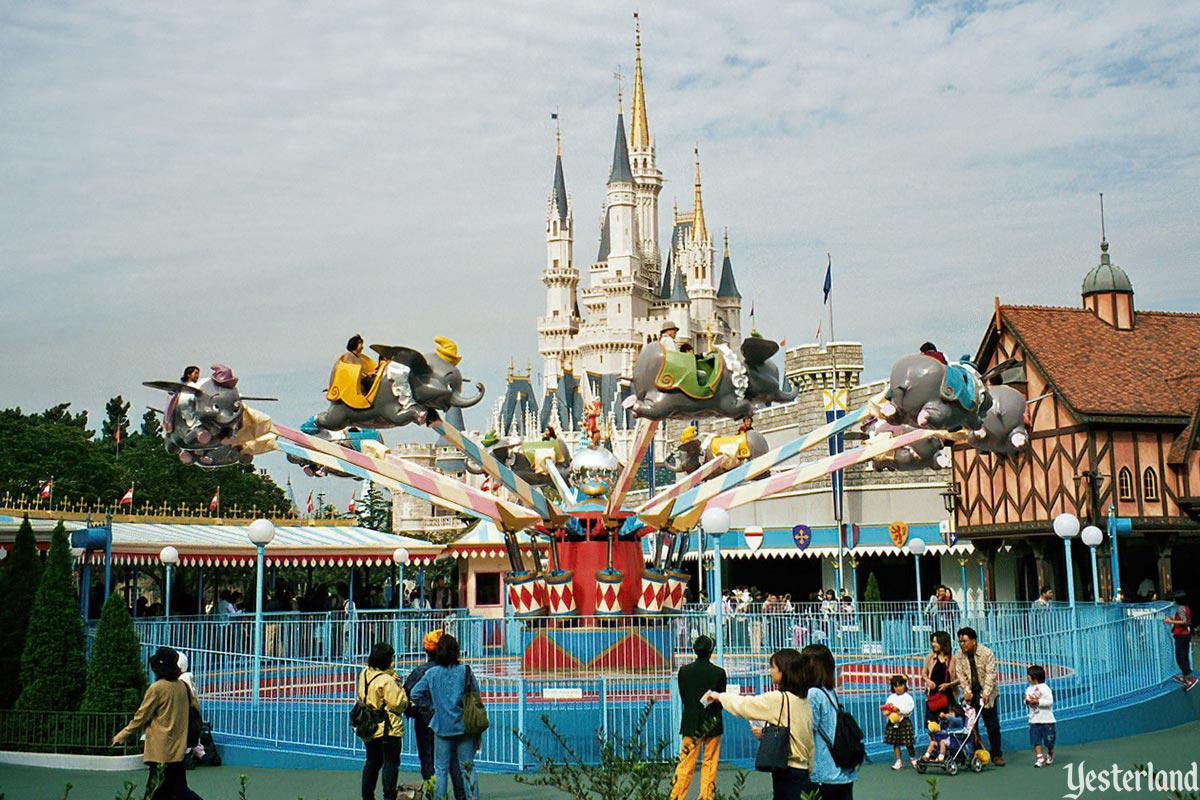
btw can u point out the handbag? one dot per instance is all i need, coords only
(937, 701)
(474, 714)
(775, 744)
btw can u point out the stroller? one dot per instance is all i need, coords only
(962, 748)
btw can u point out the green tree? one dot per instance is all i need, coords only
(18, 584)
(116, 412)
(54, 443)
(871, 595)
(151, 427)
(116, 680)
(374, 511)
(53, 668)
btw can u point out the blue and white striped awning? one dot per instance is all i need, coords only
(484, 539)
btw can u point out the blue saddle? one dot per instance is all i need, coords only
(959, 386)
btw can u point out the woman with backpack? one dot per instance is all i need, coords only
(164, 715)
(835, 763)
(783, 707)
(443, 687)
(380, 692)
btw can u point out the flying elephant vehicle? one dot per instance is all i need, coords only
(595, 565)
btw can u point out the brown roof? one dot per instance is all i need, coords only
(1150, 371)
(1183, 442)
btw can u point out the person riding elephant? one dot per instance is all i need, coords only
(925, 393)
(353, 374)
(408, 387)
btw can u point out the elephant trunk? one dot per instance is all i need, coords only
(789, 394)
(458, 401)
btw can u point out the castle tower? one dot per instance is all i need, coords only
(560, 277)
(647, 177)
(701, 284)
(729, 300)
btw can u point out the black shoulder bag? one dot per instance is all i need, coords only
(775, 744)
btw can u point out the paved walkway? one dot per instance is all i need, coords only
(1176, 748)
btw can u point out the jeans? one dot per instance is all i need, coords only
(834, 791)
(445, 748)
(1183, 654)
(789, 783)
(382, 754)
(1044, 734)
(173, 784)
(425, 737)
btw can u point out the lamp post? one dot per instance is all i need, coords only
(1066, 527)
(917, 548)
(400, 559)
(260, 533)
(715, 523)
(1092, 537)
(169, 556)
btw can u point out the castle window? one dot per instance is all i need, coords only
(556, 263)
(1125, 484)
(1150, 485)
(556, 227)
(555, 312)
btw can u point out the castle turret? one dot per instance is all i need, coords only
(560, 276)
(729, 300)
(647, 176)
(701, 286)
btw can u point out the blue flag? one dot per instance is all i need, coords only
(828, 280)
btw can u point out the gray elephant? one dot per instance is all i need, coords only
(925, 393)
(1005, 427)
(520, 456)
(406, 387)
(927, 453)
(202, 419)
(727, 383)
(738, 448)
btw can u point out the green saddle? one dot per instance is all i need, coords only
(537, 450)
(695, 376)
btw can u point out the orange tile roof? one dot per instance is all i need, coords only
(1150, 371)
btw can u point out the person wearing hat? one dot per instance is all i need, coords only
(422, 714)
(164, 716)
(666, 337)
(701, 725)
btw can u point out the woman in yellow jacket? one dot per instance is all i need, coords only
(379, 687)
(164, 715)
(787, 706)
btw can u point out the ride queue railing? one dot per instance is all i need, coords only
(1094, 655)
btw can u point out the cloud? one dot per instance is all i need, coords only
(250, 184)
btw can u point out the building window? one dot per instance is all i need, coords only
(1125, 484)
(1149, 485)
(487, 588)
(556, 228)
(556, 263)
(556, 312)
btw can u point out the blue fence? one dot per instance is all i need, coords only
(1095, 655)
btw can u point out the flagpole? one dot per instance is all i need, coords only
(837, 478)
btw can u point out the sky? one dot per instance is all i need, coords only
(251, 183)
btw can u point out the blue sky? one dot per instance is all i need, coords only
(250, 183)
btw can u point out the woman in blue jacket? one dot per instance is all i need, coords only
(443, 687)
(817, 667)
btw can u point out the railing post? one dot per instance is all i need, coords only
(521, 726)
(604, 706)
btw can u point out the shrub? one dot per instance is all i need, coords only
(116, 679)
(19, 575)
(53, 668)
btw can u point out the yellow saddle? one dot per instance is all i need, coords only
(734, 446)
(345, 385)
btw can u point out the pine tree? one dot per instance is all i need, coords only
(116, 680)
(53, 668)
(20, 573)
(871, 595)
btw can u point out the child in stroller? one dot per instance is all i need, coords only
(956, 740)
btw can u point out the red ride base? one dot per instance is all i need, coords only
(588, 558)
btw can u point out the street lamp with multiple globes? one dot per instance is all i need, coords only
(260, 533)
(1092, 537)
(714, 522)
(169, 556)
(917, 548)
(1066, 527)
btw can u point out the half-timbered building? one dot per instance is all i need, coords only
(1114, 413)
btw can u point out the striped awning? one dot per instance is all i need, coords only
(228, 546)
(485, 540)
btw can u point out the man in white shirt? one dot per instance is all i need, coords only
(666, 337)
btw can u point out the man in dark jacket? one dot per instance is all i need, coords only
(701, 725)
(421, 715)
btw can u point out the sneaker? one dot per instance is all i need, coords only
(941, 759)
(1179, 679)
(1039, 762)
(1049, 759)
(898, 765)
(1189, 683)
(913, 761)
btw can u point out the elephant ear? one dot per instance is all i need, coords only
(170, 386)
(757, 350)
(410, 358)
(999, 370)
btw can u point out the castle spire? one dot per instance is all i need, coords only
(728, 286)
(699, 230)
(639, 128)
(559, 192)
(620, 167)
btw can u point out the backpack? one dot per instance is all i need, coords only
(847, 747)
(364, 718)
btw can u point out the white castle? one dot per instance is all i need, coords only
(594, 332)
